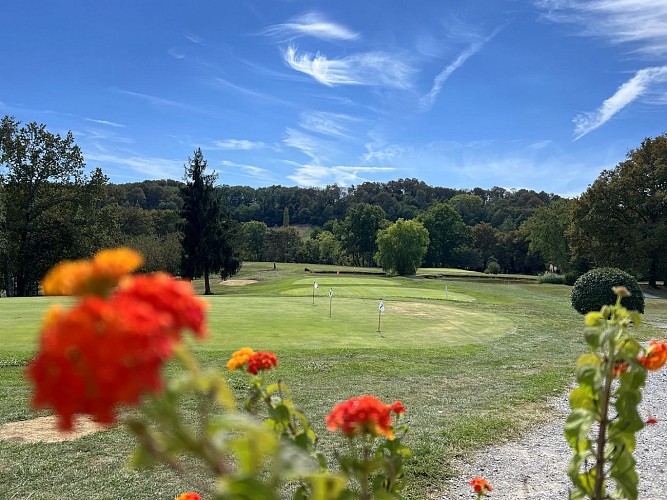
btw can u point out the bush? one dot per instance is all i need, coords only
(594, 289)
(552, 278)
(492, 268)
(571, 277)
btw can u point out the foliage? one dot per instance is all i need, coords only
(621, 219)
(552, 278)
(470, 207)
(359, 230)
(546, 232)
(209, 241)
(448, 234)
(604, 420)
(282, 244)
(571, 277)
(401, 247)
(594, 289)
(493, 267)
(486, 241)
(50, 203)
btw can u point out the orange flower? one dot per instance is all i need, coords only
(480, 486)
(397, 408)
(239, 358)
(262, 360)
(107, 352)
(363, 415)
(619, 368)
(91, 277)
(174, 299)
(190, 495)
(656, 355)
(92, 359)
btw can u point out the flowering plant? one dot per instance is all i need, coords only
(604, 420)
(108, 350)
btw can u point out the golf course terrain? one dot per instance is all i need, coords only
(475, 361)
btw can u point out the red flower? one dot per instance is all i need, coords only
(480, 486)
(651, 420)
(95, 357)
(262, 360)
(619, 368)
(656, 355)
(105, 353)
(190, 495)
(363, 415)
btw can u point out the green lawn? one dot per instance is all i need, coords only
(471, 373)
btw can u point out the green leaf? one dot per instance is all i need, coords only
(326, 486)
(578, 426)
(583, 397)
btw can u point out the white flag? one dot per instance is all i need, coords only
(381, 306)
(316, 285)
(330, 292)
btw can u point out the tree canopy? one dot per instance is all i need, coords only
(401, 247)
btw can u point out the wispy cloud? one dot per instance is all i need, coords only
(367, 68)
(631, 90)
(159, 101)
(194, 38)
(312, 24)
(145, 165)
(317, 175)
(238, 144)
(106, 122)
(307, 144)
(226, 84)
(252, 171)
(176, 53)
(428, 99)
(641, 23)
(331, 124)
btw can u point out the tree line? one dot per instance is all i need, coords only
(51, 209)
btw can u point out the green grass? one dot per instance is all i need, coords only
(470, 373)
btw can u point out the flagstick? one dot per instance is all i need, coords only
(379, 318)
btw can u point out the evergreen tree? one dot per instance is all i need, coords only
(208, 242)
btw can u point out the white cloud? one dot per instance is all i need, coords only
(322, 122)
(641, 23)
(428, 100)
(367, 68)
(256, 173)
(318, 175)
(106, 122)
(312, 24)
(637, 86)
(176, 53)
(238, 144)
(145, 165)
(307, 144)
(194, 38)
(160, 102)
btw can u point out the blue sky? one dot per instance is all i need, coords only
(540, 94)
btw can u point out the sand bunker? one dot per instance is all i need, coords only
(45, 430)
(238, 282)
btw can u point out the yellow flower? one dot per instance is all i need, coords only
(239, 358)
(92, 277)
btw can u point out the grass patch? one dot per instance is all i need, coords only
(469, 373)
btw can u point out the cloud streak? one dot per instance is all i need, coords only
(367, 68)
(326, 123)
(631, 90)
(641, 23)
(312, 24)
(318, 175)
(429, 99)
(106, 122)
(238, 144)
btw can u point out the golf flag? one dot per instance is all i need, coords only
(330, 292)
(316, 285)
(381, 306)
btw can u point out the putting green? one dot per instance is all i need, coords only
(284, 322)
(345, 281)
(379, 290)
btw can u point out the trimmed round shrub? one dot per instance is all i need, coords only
(571, 277)
(594, 289)
(493, 267)
(552, 278)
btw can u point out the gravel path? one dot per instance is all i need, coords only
(535, 467)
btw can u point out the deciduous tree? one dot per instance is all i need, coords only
(401, 247)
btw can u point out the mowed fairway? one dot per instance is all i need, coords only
(286, 322)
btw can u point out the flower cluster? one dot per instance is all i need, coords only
(253, 361)
(656, 355)
(108, 349)
(364, 415)
(480, 486)
(189, 495)
(96, 276)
